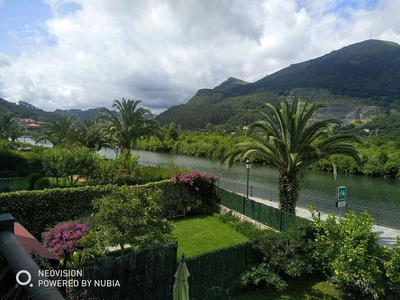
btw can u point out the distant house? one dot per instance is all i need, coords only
(31, 126)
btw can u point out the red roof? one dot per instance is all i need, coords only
(29, 242)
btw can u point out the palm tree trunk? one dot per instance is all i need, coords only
(288, 192)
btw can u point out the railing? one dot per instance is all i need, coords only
(384, 218)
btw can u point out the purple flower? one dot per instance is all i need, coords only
(64, 237)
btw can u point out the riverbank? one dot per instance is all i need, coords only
(380, 156)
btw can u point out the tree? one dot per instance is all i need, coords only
(91, 134)
(60, 131)
(130, 124)
(9, 127)
(290, 141)
(73, 164)
(347, 251)
(131, 216)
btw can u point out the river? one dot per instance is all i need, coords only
(371, 192)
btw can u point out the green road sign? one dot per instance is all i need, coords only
(341, 193)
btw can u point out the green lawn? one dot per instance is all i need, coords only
(202, 234)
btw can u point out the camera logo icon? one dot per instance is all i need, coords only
(27, 280)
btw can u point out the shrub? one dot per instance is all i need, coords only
(63, 239)
(348, 251)
(392, 266)
(201, 188)
(285, 255)
(129, 215)
(42, 183)
(32, 179)
(244, 227)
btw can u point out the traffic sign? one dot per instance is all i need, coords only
(340, 204)
(341, 193)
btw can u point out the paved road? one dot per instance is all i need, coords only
(387, 235)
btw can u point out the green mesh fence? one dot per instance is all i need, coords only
(257, 211)
(231, 200)
(216, 275)
(145, 274)
(149, 274)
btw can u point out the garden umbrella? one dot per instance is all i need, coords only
(181, 287)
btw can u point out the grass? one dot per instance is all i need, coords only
(305, 288)
(202, 234)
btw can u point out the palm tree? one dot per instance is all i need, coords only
(9, 127)
(60, 131)
(91, 134)
(130, 124)
(290, 141)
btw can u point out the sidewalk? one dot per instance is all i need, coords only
(387, 235)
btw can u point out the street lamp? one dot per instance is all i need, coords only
(248, 166)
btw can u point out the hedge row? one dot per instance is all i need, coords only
(39, 210)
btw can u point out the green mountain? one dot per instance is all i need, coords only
(354, 82)
(25, 110)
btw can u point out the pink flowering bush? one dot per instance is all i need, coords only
(63, 238)
(201, 188)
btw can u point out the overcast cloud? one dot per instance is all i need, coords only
(87, 53)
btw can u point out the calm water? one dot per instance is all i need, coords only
(378, 193)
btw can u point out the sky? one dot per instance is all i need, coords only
(81, 54)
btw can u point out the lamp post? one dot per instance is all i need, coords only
(248, 166)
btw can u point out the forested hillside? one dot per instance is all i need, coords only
(25, 110)
(355, 82)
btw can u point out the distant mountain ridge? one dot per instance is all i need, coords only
(365, 69)
(355, 82)
(356, 79)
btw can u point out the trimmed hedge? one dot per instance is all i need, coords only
(37, 211)
(40, 210)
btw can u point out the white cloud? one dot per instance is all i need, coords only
(162, 51)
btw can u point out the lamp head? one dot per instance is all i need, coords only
(248, 163)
